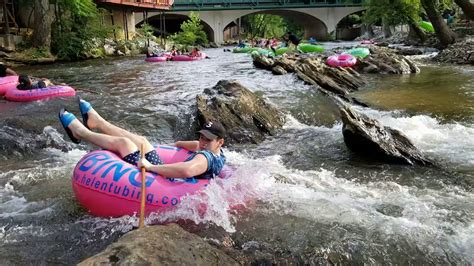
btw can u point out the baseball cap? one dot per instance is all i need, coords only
(212, 130)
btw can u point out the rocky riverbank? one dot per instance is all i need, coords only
(461, 52)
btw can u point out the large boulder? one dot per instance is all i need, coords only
(313, 70)
(160, 245)
(334, 79)
(367, 136)
(247, 117)
(386, 61)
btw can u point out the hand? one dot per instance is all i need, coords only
(144, 163)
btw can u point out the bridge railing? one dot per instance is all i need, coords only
(252, 4)
(159, 4)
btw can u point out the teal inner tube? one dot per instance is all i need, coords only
(358, 52)
(310, 48)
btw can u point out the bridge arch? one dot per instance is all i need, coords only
(216, 20)
(173, 23)
(313, 27)
(345, 29)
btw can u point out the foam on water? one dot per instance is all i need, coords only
(451, 142)
(13, 202)
(422, 216)
(220, 201)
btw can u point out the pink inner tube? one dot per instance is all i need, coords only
(162, 58)
(188, 58)
(343, 60)
(367, 42)
(156, 59)
(109, 187)
(17, 95)
(7, 83)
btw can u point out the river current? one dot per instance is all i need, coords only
(311, 197)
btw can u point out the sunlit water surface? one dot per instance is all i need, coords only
(310, 197)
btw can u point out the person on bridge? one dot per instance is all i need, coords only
(206, 162)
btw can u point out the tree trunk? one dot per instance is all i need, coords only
(417, 31)
(444, 34)
(42, 28)
(387, 32)
(467, 8)
(370, 31)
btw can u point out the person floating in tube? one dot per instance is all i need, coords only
(206, 163)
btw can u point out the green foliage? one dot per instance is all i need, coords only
(268, 26)
(146, 30)
(293, 26)
(35, 53)
(146, 33)
(263, 25)
(350, 20)
(77, 29)
(191, 33)
(393, 12)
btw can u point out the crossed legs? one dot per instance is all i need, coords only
(113, 138)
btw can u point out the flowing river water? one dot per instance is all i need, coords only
(311, 197)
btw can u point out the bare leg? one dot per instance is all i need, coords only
(120, 145)
(98, 122)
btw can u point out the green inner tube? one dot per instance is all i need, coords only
(426, 26)
(310, 48)
(241, 50)
(358, 52)
(281, 50)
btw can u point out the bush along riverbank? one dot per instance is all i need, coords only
(99, 49)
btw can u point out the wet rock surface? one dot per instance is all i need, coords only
(384, 60)
(312, 68)
(246, 116)
(160, 245)
(461, 52)
(369, 137)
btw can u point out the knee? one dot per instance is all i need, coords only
(125, 145)
(142, 140)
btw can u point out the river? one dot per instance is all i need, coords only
(311, 197)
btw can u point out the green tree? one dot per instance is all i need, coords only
(192, 32)
(42, 27)
(146, 31)
(263, 25)
(395, 12)
(293, 26)
(268, 26)
(467, 8)
(444, 34)
(77, 28)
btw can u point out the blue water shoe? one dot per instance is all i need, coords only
(84, 107)
(66, 118)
